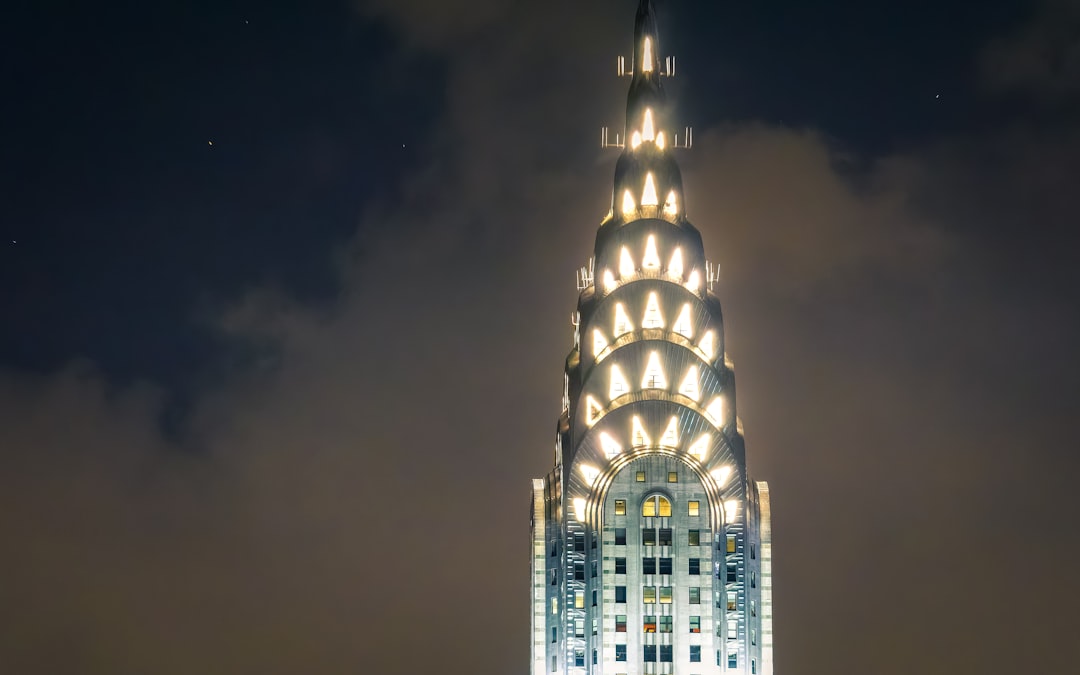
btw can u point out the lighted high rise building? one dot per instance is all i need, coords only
(651, 543)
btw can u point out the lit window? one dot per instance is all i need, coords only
(695, 595)
(609, 445)
(648, 595)
(649, 624)
(620, 652)
(730, 543)
(661, 141)
(721, 475)
(663, 537)
(620, 507)
(732, 599)
(609, 281)
(639, 438)
(620, 594)
(648, 133)
(622, 321)
(628, 207)
(694, 537)
(635, 139)
(674, 268)
(653, 318)
(671, 206)
(695, 650)
(648, 193)
(649, 651)
(670, 439)
(700, 448)
(651, 260)
(693, 283)
(590, 473)
(694, 566)
(708, 344)
(618, 385)
(648, 565)
(665, 566)
(640, 477)
(620, 565)
(663, 507)
(692, 507)
(646, 56)
(620, 623)
(689, 386)
(656, 506)
(648, 536)
(665, 625)
(654, 375)
(579, 599)
(665, 595)
(592, 411)
(626, 264)
(682, 324)
(620, 536)
(672, 476)
(730, 507)
(715, 410)
(695, 627)
(599, 342)
(579, 509)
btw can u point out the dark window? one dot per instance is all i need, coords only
(695, 595)
(733, 660)
(665, 623)
(620, 565)
(695, 565)
(594, 569)
(753, 667)
(592, 542)
(695, 624)
(620, 536)
(554, 633)
(579, 571)
(666, 653)
(594, 657)
(594, 598)
(554, 574)
(753, 555)
(648, 565)
(579, 658)
(695, 653)
(731, 574)
(620, 594)
(664, 538)
(648, 536)
(753, 579)
(695, 537)
(650, 653)
(620, 623)
(649, 623)
(620, 652)
(665, 565)
(579, 542)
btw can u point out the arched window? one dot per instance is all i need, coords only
(656, 505)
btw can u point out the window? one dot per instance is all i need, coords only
(695, 565)
(753, 608)
(665, 623)
(665, 536)
(579, 658)
(648, 565)
(648, 595)
(753, 579)
(579, 599)
(695, 653)
(733, 659)
(650, 653)
(694, 537)
(731, 543)
(620, 507)
(753, 667)
(554, 633)
(579, 627)
(732, 574)
(695, 624)
(620, 565)
(692, 508)
(753, 636)
(665, 565)
(665, 595)
(579, 542)
(554, 576)
(620, 623)
(640, 477)
(695, 595)
(592, 543)
(732, 602)
(620, 594)
(594, 598)
(653, 318)
(656, 506)
(753, 552)
(649, 624)
(673, 476)
(620, 652)
(648, 536)
(594, 572)
(579, 571)
(594, 655)
(732, 629)
(554, 605)
(666, 653)
(620, 536)
(654, 377)
(554, 662)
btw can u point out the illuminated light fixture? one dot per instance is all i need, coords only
(721, 475)
(682, 324)
(599, 342)
(651, 261)
(648, 131)
(715, 410)
(671, 206)
(654, 375)
(653, 318)
(592, 410)
(609, 281)
(689, 386)
(730, 507)
(708, 344)
(626, 264)
(635, 140)
(660, 140)
(591, 473)
(674, 268)
(628, 207)
(693, 284)
(700, 447)
(638, 437)
(648, 195)
(579, 508)
(609, 445)
(646, 56)
(618, 385)
(622, 321)
(670, 439)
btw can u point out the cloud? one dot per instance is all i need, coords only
(1043, 58)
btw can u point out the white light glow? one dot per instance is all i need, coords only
(618, 385)
(689, 386)
(599, 342)
(648, 131)
(622, 321)
(671, 206)
(638, 437)
(708, 344)
(674, 268)
(700, 447)
(715, 409)
(721, 475)
(635, 140)
(653, 318)
(579, 508)
(693, 284)
(628, 207)
(654, 375)
(651, 261)
(626, 264)
(592, 410)
(648, 194)
(682, 324)
(730, 507)
(591, 473)
(660, 140)
(610, 446)
(609, 281)
(647, 57)
(670, 439)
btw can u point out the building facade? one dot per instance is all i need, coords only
(651, 544)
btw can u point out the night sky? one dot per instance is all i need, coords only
(285, 294)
